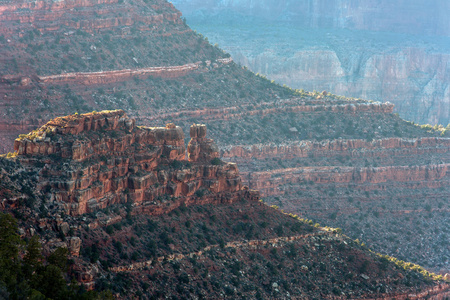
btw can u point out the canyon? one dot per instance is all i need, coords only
(341, 161)
(110, 169)
(106, 187)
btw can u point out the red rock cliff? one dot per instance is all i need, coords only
(94, 160)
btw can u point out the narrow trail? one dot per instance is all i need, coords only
(104, 77)
(252, 244)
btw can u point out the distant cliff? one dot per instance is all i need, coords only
(416, 81)
(397, 52)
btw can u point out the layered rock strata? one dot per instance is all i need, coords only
(379, 191)
(92, 161)
(105, 77)
(50, 15)
(293, 106)
(415, 177)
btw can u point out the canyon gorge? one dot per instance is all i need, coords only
(107, 190)
(97, 99)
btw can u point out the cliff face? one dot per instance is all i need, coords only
(95, 160)
(415, 80)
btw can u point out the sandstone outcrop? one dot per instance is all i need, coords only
(94, 160)
(201, 149)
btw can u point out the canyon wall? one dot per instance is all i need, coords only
(352, 148)
(416, 81)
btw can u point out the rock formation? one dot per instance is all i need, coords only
(94, 160)
(201, 149)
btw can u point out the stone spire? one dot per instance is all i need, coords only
(201, 149)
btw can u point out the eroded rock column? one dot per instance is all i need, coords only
(201, 149)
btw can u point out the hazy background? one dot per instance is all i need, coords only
(397, 51)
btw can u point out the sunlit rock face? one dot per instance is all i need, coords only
(384, 51)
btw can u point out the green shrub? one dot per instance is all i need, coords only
(216, 161)
(200, 193)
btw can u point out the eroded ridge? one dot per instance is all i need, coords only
(94, 160)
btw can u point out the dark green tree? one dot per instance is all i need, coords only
(33, 258)
(10, 244)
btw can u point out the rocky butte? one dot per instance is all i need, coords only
(95, 160)
(346, 162)
(142, 217)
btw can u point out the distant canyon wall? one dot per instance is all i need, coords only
(417, 82)
(395, 51)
